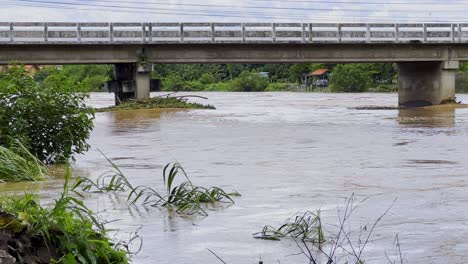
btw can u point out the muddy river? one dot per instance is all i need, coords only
(286, 152)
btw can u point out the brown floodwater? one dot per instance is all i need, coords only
(286, 152)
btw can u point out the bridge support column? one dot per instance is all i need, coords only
(143, 82)
(131, 81)
(426, 83)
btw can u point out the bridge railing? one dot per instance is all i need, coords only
(76, 33)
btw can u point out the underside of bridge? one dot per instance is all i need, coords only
(426, 83)
(131, 81)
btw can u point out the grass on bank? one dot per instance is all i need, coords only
(18, 164)
(64, 232)
(166, 101)
(185, 198)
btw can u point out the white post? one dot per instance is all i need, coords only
(460, 33)
(303, 32)
(452, 33)
(368, 33)
(273, 32)
(212, 32)
(425, 32)
(310, 32)
(46, 32)
(78, 31)
(150, 32)
(111, 32)
(339, 33)
(181, 32)
(243, 32)
(397, 33)
(11, 32)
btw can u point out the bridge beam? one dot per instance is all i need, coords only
(426, 83)
(131, 81)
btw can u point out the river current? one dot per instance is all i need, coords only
(287, 152)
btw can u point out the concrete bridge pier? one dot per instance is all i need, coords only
(143, 82)
(131, 81)
(426, 83)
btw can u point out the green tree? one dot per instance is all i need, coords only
(51, 120)
(298, 70)
(207, 78)
(350, 78)
(249, 82)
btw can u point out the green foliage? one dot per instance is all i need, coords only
(173, 82)
(18, 164)
(249, 82)
(463, 67)
(350, 78)
(274, 87)
(207, 78)
(194, 86)
(185, 198)
(51, 120)
(69, 231)
(386, 88)
(166, 101)
(298, 70)
(219, 87)
(83, 78)
(305, 226)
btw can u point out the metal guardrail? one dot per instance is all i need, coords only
(121, 33)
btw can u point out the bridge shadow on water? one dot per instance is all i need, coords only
(436, 116)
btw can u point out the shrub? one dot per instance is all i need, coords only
(194, 86)
(249, 82)
(207, 78)
(51, 119)
(350, 78)
(173, 82)
(273, 87)
(219, 87)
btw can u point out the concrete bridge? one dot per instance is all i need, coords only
(427, 55)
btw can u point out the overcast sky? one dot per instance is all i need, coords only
(239, 10)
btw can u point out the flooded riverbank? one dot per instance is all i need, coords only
(286, 152)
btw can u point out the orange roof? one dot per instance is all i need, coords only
(319, 72)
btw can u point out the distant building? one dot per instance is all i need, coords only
(316, 79)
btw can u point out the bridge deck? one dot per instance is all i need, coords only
(17, 33)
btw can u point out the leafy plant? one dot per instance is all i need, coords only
(350, 78)
(305, 226)
(18, 164)
(186, 198)
(51, 119)
(66, 232)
